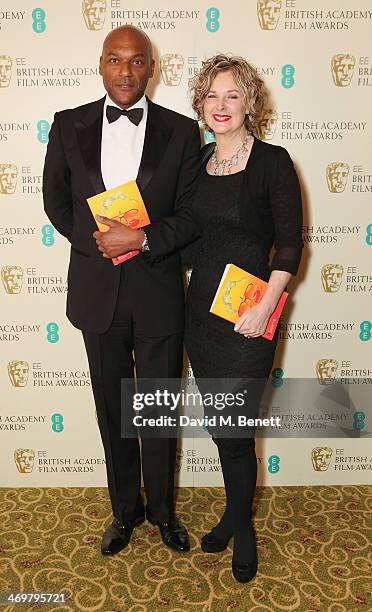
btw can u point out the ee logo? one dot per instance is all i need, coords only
(52, 333)
(369, 234)
(209, 137)
(365, 331)
(358, 421)
(287, 76)
(273, 464)
(48, 235)
(38, 24)
(213, 15)
(277, 375)
(57, 422)
(43, 128)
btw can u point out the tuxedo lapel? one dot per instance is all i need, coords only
(157, 136)
(89, 134)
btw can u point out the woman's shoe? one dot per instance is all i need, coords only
(244, 572)
(211, 544)
(245, 549)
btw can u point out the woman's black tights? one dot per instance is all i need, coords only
(239, 469)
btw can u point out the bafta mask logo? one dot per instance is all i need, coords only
(12, 277)
(171, 68)
(24, 460)
(5, 70)
(267, 125)
(179, 458)
(321, 458)
(268, 12)
(8, 178)
(18, 373)
(94, 12)
(342, 67)
(337, 174)
(332, 277)
(326, 370)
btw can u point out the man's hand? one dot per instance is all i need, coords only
(118, 240)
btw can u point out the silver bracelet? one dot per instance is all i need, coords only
(145, 244)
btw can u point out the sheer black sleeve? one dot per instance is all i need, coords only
(286, 206)
(189, 253)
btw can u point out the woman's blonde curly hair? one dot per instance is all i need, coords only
(246, 78)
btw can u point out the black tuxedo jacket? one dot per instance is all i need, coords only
(166, 179)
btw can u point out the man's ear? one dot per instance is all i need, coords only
(99, 65)
(152, 68)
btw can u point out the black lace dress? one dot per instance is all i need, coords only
(214, 348)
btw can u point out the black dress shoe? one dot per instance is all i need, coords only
(117, 535)
(172, 533)
(211, 544)
(244, 572)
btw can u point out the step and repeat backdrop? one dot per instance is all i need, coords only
(316, 58)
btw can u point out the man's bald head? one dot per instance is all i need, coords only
(126, 65)
(126, 32)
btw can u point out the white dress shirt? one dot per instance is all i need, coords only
(122, 145)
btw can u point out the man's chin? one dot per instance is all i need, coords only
(125, 100)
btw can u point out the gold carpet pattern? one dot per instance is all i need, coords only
(314, 546)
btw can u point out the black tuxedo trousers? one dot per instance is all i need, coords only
(112, 356)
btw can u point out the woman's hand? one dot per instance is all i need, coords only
(254, 321)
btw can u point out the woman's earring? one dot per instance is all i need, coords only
(248, 122)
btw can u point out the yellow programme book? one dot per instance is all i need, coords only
(239, 291)
(123, 203)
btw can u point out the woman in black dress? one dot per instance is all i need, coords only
(248, 200)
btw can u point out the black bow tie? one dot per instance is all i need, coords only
(134, 115)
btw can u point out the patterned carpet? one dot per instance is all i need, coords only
(314, 547)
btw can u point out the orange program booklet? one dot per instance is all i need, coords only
(239, 291)
(123, 203)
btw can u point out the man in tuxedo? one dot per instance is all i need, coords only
(131, 314)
